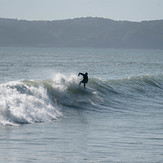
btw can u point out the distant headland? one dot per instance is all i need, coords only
(88, 32)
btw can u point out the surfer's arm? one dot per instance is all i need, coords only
(80, 74)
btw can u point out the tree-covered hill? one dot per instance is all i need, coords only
(82, 32)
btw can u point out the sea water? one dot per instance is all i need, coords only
(45, 116)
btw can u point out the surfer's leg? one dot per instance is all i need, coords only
(81, 82)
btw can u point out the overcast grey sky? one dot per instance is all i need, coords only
(132, 10)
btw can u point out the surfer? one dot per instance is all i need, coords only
(85, 78)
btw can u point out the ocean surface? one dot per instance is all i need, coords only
(46, 117)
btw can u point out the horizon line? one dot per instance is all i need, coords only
(19, 19)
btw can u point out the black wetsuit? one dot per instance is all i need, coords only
(85, 78)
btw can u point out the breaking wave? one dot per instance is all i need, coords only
(25, 102)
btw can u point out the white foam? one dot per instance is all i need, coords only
(62, 82)
(25, 104)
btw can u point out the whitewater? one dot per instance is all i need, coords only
(45, 116)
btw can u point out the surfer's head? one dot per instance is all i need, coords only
(86, 73)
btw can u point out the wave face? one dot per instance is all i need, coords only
(24, 102)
